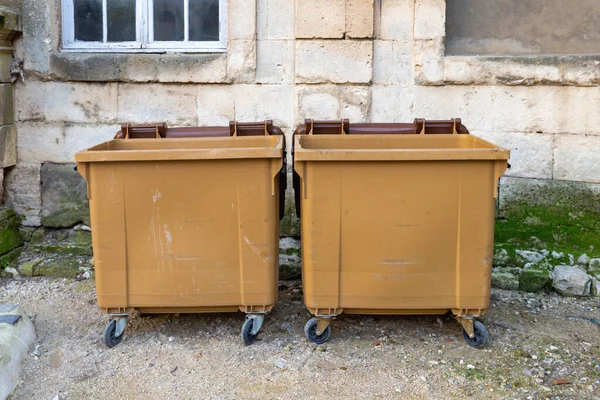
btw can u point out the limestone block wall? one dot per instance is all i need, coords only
(286, 60)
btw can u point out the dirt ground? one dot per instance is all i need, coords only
(535, 352)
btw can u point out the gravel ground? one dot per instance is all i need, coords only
(535, 352)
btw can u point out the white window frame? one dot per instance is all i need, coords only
(144, 42)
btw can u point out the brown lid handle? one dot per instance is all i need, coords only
(453, 126)
(250, 128)
(327, 127)
(142, 131)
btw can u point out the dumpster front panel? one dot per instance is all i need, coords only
(394, 236)
(185, 235)
(412, 235)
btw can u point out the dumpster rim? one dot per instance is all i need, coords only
(96, 154)
(493, 152)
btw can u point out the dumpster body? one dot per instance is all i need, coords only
(396, 223)
(185, 225)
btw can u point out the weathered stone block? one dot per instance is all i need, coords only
(392, 103)
(30, 101)
(317, 102)
(355, 103)
(275, 61)
(10, 236)
(260, 102)
(80, 102)
(22, 184)
(241, 61)
(397, 20)
(8, 146)
(428, 61)
(530, 153)
(320, 19)
(5, 60)
(197, 68)
(241, 24)
(334, 61)
(64, 196)
(359, 18)
(87, 67)
(44, 142)
(391, 65)
(216, 105)
(430, 19)
(576, 158)
(174, 104)
(270, 18)
(7, 113)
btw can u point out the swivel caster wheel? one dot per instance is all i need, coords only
(310, 330)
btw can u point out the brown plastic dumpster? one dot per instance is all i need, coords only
(185, 225)
(396, 223)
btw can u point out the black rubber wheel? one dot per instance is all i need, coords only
(310, 330)
(481, 336)
(110, 338)
(247, 335)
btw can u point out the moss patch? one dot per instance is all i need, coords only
(534, 279)
(560, 229)
(560, 216)
(10, 235)
(290, 224)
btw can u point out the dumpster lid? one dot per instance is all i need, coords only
(374, 147)
(206, 148)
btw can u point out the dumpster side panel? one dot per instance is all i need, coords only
(185, 234)
(385, 236)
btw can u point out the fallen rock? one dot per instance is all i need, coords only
(595, 289)
(571, 281)
(583, 260)
(594, 267)
(29, 268)
(536, 243)
(534, 279)
(527, 256)
(556, 255)
(17, 335)
(289, 246)
(290, 267)
(64, 196)
(505, 280)
(501, 258)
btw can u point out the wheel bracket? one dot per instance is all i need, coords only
(467, 324)
(121, 323)
(322, 324)
(257, 322)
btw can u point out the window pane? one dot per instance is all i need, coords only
(204, 20)
(88, 20)
(121, 20)
(168, 20)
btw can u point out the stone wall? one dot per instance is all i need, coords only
(286, 60)
(9, 27)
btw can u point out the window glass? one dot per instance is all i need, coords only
(88, 20)
(168, 20)
(204, 20)
(121, 20)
